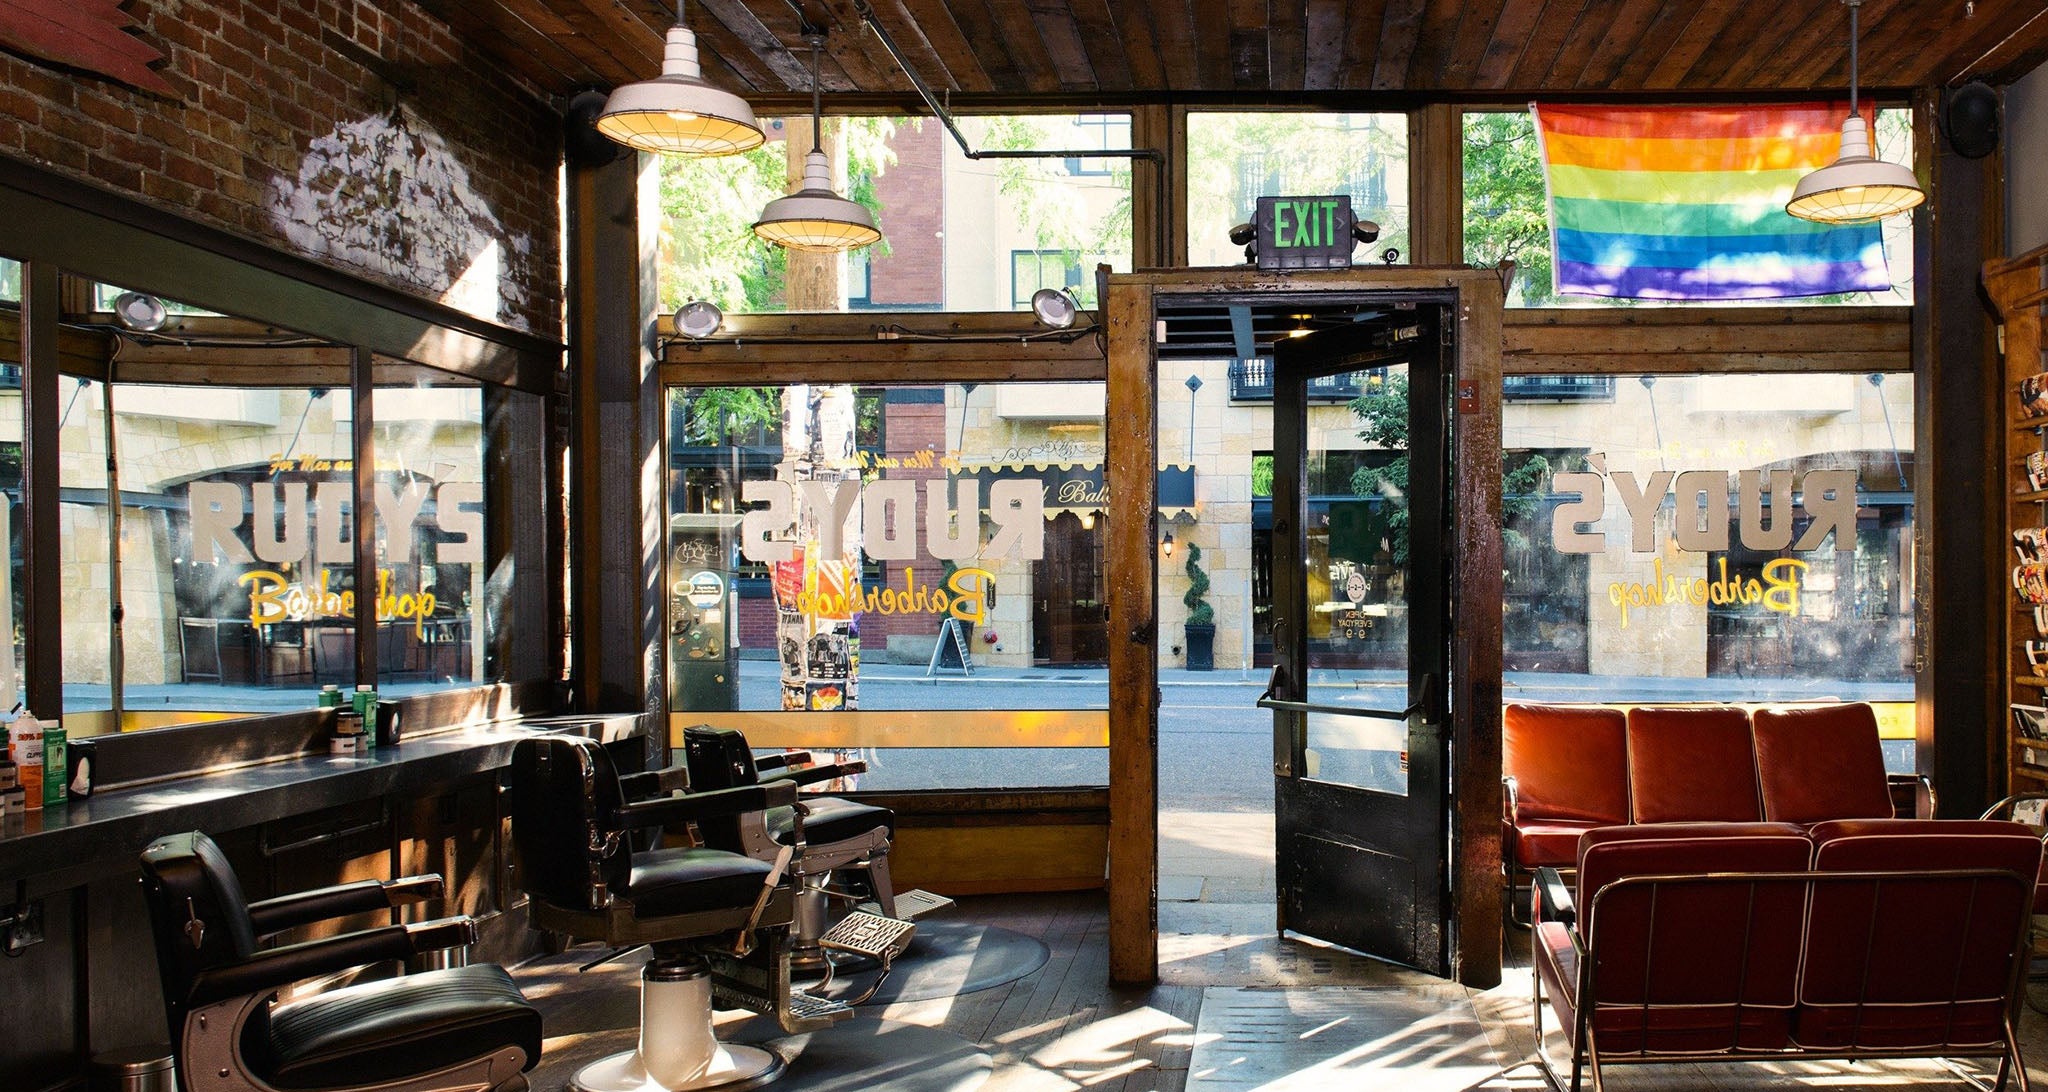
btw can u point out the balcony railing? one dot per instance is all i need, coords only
(1557, 388)
(1252, 381)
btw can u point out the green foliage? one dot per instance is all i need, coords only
(717, 414)
(1235, 157)
(1262, 475)
(707, 249)
(1050, 211)
(1505, 217)
(1200, 613)
(1382, 410)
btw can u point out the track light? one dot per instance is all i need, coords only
(140, 311)
(698, 318)
(1054, 307)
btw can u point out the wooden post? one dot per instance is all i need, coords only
(1476, 632)
(1133, 571)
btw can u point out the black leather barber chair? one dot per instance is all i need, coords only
(466, 1027)
(838, 834)
(717, 921)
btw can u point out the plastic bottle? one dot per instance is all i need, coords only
(364, 705)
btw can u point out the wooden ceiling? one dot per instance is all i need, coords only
(1133, 50)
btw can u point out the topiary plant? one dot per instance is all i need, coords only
(1200, 613)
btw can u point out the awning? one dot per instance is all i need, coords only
(1079, 487)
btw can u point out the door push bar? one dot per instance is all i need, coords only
(1279, 678)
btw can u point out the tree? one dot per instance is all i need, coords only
(1196, 598)
(1235, 158)
(1383, 411)
(707, 246)
(1505, 217)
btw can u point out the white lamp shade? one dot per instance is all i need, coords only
(816, 219)
(1857, 187)
(677, 113)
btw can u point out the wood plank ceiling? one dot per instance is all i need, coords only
(1132, 50)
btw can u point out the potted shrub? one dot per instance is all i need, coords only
(1201, 623)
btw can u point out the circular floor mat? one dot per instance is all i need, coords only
(947, 959)
(866, 1055)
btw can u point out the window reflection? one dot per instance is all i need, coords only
(430, 534)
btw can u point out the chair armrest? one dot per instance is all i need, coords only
(441, 934)
(1554, 899)
(271, 916)
(787, 758)
(738, 800)
(281, 967)
(815, 775)
(2004, 808)
(640, 786)
(1922, 788)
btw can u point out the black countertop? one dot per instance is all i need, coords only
(66, 844)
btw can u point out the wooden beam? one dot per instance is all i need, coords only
(1700, 32)
(1546, 38)
(1476, 634)
(1436, 185)
(926, 30)
(1431, 43)
(363, 400)
(42, 545)
(1511, 35)
(1175, 35)
(1133, 572)
(1287, 45)
(1474, 35)
(1323, 45)
(1141, 46)
(1071, 60)
(1618, 46)
(1363, 45)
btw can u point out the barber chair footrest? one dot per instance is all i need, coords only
(912, 905)
(818, 1012)
(871, 935)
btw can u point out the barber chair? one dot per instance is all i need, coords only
(838, 836)
(717, 921)
(464, 1027)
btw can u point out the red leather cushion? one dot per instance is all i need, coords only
(1820, 762)
(1568, 762)
(1553, 843)
(1687, 965)
(1691, 765)
(1557, 963)
(1929, 959)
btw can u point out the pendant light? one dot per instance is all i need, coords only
(677, 113)
(1857, 187)
(814, 218)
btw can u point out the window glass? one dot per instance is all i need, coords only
(941, 214)
(430, 531)
(911, 548)
(1235, 159)
(83, 537)
(1742, 538)
(1506, 216)
(12, 528)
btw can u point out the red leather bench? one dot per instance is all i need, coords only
(1568, 769)
(1875, 938)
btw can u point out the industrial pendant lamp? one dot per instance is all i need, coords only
(677, 113)
(1857, 187)
(814, 218)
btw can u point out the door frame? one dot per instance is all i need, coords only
(1130, 315)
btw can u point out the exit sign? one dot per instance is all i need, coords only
(1304, 232)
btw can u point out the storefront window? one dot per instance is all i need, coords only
(11, 525)
(1235, 159)
(929, 551)
(84, 553)
(1507, 218)
(1745, 538)
(430, 533)
(942, 215)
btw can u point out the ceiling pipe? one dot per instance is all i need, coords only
(866, 11)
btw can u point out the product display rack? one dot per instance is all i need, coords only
(2017, 286)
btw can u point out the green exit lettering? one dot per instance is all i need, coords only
(1305, 223)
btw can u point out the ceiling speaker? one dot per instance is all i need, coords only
(582, 144)
(1970, 117)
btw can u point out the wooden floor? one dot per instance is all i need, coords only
(1063, 1027)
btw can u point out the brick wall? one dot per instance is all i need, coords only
(913, 196)
(435, 174)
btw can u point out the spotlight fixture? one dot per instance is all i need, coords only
(1857, 187)
(815, 218)
(140, 311)
(698, 318)
(1054, 307)
(677, 113)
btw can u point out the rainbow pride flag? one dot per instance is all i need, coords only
(1681, 203)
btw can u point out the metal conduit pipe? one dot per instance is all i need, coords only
(1155, 156)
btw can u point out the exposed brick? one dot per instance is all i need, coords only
(254, 86)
